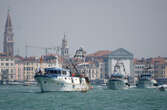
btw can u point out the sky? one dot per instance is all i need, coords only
(140, 26)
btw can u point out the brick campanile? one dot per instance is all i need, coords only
(8, 44)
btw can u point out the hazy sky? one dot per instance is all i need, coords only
(139, 26)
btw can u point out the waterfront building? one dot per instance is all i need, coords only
(165, 71)
(93, 69)
(8, 43)
(141, 64)
(99, 58)
(123, 56)
(33, 64)
(98, 55)
(7, 69)
(101, 69)
(157, 67)
(89, 69)
(19, 68)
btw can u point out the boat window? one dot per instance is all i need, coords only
(64, 72)
(53, 71)
(58, 72)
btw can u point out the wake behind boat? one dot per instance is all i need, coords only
(59, 79)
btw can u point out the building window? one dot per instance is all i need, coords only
(11, 76)
(7, 64)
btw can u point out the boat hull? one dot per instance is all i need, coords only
(50, 84)
(116, 84)
(145, 84)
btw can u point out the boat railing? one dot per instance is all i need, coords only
(145, 77)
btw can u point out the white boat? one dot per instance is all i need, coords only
(59, 79)
(118, 80)
(163, 87)
(145, 81)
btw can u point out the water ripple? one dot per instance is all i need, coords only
(30, 98)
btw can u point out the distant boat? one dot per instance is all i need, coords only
(29, 83)
(59, 79)
(162, 87)
(145, 81)
(117, 79)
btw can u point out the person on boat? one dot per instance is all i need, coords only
(39, 71)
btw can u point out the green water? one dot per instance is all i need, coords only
(30, 98)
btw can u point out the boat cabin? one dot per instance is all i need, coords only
(117, 75)
(57, 71)
(145, 76)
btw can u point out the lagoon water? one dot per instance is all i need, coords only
(29, 98)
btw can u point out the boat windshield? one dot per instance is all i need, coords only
(56, 71)
(145, 75)
(116, 76)
(52, 71)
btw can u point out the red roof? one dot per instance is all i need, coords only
(100, 53)
(160, 60)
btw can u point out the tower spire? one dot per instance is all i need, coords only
(64, 48)
(8, 20)
(8, 44)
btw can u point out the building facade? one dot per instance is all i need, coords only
(23, 69)
(157, 68)
(141, 65)
(91, 70)
(7, 69)
(32, 65)
(19, 68)
(124, 57)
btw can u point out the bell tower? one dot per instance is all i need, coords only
(64, 48)
(8, 43)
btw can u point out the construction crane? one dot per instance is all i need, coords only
(57, 50)
(38, 47)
